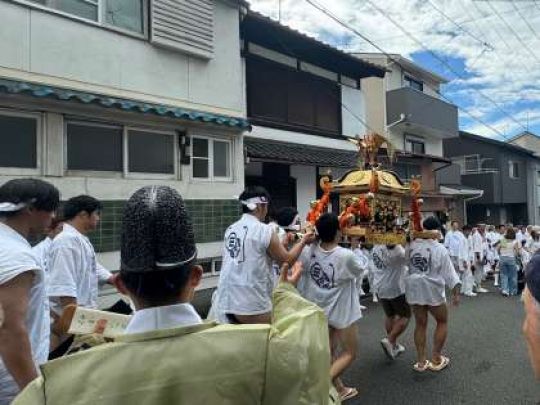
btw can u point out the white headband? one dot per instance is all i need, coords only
(11, 207)
(251, 203)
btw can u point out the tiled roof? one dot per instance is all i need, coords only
(43, 91)
(295, 153)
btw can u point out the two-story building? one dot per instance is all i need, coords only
(506, 173)
(102, 97)
(407, 106)
(304, 100)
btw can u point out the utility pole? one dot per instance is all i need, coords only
(279, 10)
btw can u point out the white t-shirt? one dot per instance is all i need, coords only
(16, 258)
(73, 269)
(470, 252)
(453, 241)
(390, 266)
(41, 252)
(430, 272)
(246, 280)
(329, 280)
(478, 245)
(492, 238)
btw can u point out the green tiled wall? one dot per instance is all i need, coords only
(210, 219)
(107, 237)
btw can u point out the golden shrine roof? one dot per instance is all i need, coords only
(359, 179)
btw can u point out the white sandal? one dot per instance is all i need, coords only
(422, 367)
(445, 361)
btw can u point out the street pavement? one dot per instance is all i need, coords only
(489, 363)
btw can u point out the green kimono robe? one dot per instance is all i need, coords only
(285, 363)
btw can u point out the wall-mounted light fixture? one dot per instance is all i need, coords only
(185, 143)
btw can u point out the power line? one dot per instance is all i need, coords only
(354, 30)
(525, 46)
(470, 20)
(433, 54)
(483, 42)
(329, 93)
(501, 37)
(525, 20)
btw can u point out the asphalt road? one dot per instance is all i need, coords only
(489, 363)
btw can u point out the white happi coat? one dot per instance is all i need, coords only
(329, 280)
(390, 265)
(430, 272)
(246, 280)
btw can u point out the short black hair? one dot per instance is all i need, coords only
(327, 227)
(158, 287)
(252, 192)
(82, 203)
(38, 194)
(510, 234)
(431, 224)
(286, 215)
(467, 227)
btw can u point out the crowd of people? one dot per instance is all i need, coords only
(501, 252)
(286, 307)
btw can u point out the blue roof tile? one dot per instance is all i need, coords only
(42, 91)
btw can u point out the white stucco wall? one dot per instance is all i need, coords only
(353, 111)
(306, 190)
(43, 47)
(394, 78)
(433, 145)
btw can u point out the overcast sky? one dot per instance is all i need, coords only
(494, 53)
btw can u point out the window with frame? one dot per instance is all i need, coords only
(413, 83)
(105, 148)
(127, 15)
(414, 145)
(18, 141)
(513, 169)
(211, 159)
(472, 163)
(150, 152)
(94, 147)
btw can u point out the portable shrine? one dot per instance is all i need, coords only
(370, 200)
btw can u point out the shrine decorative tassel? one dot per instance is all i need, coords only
(318, 207)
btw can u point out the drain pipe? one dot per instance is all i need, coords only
(465, 200)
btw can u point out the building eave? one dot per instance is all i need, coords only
(506, 145)
(271, 34)
(34, 90)
(407, 63)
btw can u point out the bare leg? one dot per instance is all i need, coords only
(389, 325)
(398, 327)
(348, 340)
(420, 330)
(440, 314)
